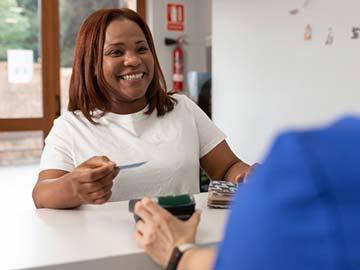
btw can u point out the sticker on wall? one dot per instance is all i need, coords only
(175, 17)
(356, 33)
(306, 3)
(308, 32)
(330, 37)
(296, 11)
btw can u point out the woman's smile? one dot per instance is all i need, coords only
(132, 76)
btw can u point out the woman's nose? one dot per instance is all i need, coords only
(131, 60)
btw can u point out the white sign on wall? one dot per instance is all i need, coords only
(20, 66)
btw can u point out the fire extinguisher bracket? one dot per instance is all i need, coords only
(173, 41)
(170, 41)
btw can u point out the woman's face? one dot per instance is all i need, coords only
(128, 64)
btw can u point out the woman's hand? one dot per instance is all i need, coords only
(244, 174)
(158, 232)
(91, 181)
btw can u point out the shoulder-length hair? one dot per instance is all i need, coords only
(88, 88)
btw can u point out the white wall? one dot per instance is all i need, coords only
(267, 78)
(197, 27)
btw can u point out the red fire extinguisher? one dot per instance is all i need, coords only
(178, 67)
(177, 63)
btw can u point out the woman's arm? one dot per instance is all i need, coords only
(222, 164)
(90, 182)
(53, 190)
(197, 258)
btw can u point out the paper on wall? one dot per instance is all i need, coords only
(20, 66)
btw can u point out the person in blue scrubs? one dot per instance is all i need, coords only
(299, 210)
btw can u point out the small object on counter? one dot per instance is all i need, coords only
(182, 206)
(221, 193)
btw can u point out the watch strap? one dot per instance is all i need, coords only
(177, 253)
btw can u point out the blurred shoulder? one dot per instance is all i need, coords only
(70, 119)
(184, 101)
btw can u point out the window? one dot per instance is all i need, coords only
(32, 68)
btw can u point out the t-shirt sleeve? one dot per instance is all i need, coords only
(58, 149)
(209, 134)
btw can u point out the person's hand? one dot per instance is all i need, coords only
(158, 232)
(91, 181)
(245, 174)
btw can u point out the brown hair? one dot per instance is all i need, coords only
(88, 89)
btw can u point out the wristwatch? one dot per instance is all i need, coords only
(177, 253)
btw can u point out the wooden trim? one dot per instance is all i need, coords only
(141, 8)
(50, 68)
(21, 124)
(50, 61)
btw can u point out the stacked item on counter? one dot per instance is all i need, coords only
(221, 193)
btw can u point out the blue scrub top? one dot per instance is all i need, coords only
(301, 208)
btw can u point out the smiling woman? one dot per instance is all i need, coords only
(116, 45)
(128, 66)
(121, 113)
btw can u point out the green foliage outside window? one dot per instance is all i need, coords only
(20, 20)
(19, 26)
(72, 13)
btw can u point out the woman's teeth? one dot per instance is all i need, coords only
(132, 76)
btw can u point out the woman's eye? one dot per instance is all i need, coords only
(142, 49)
(115, 53)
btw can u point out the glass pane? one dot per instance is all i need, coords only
(19, 148)
(20, 67)
(72, 13)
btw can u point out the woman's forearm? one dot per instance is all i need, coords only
(55, 193)
(197, 258)
(238, 168)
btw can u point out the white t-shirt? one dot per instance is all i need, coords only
(171, 144)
